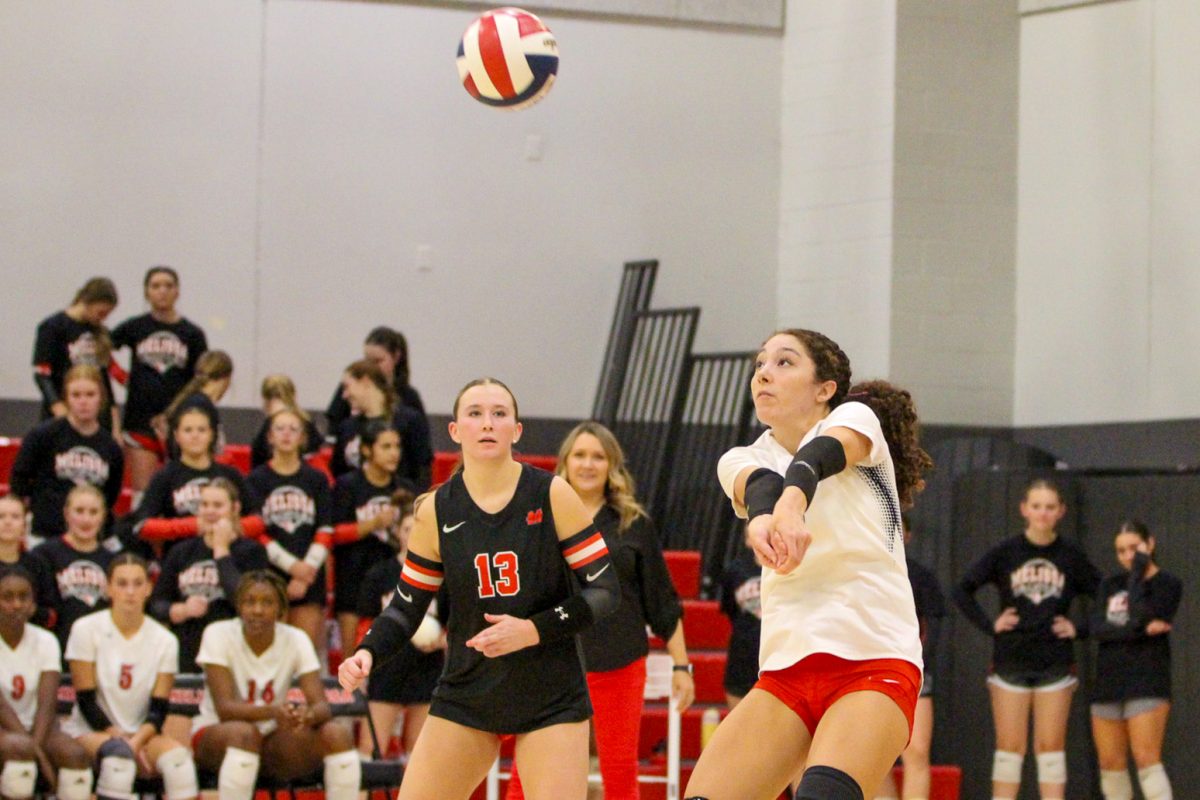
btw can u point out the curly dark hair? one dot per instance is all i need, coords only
(893, 406)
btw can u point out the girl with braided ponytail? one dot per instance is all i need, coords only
(840, 659)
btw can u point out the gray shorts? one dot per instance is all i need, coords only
(1127, 709)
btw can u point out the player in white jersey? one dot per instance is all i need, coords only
(246, 720)
(123, 665)
(30, 739)
(840, 658)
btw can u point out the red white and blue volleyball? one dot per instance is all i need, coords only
(507, 58)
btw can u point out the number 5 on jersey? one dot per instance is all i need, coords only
(498, 574)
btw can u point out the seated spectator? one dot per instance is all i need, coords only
(214, 373)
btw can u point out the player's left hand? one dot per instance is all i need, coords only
(1063, 628)
(790, 536)
(506, 634)
(683, 690)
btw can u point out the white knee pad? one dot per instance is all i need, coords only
(1052, 767)
(1006, 766)
(17, 779)
(178, 774)
(343, 775)
(1154, 782)
(238, 774)
(116, 771)
(1115, 784)
(74, 784)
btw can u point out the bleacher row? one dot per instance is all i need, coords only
(706, 631)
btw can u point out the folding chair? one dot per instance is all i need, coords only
(658, 687)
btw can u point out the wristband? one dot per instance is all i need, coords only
(683, 668)
(762, 491)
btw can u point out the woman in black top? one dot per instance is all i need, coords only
(75, 336)
(214, 373)
(1132, 695)
(1037, 575)
(65, 452)
(615, 648)
(387, 349)
(200, 575)
(279, 393)
(163, 348)
(372, 398)
(498, 534)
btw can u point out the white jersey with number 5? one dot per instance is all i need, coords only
(126, 668)
(850, 596)
(21, 669)
(260, 679)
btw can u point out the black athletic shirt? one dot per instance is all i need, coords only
(647, 596)
(741, 601)
(61, 344)
(355, 499)
(190, 569)
(261, 451)
(1129, 663)
(1040, 582)
(293, 507)
(72, 582)
(416, 446)
(339, 409)
(163, 360)
(505, 563)
(931, 607)
(174, 491)
(53, 459)
(409, 665)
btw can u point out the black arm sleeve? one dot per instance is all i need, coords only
(599, 590)
(229, 574)
(814, 462)
(964, 593)
(97, 720)
(762, 491)
(45, 385)
(420, 579)
(659, 599)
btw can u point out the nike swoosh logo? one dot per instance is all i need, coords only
(405, 596)
(592, 576)
(448, 528)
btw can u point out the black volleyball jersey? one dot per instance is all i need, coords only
(163, 360)
(505, 563)
(1129, 663)
(62, 343)
(416, 446)
(295, 508)
(54, 458)
(1040, 582)
(647, 596)
(72, 582)
(188, 570)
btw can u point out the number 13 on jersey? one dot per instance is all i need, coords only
(498, 574)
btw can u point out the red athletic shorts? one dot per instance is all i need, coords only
(813, 684)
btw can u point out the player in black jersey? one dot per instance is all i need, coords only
(75, 336)
(1131, 699)
(214, 373)
(278, 394)
(200, 575)
(365, 519)
(65, 452)
(69, 570)
(169, 505)
(164, 347)
(1037, 575)
(498, 533)
(294, 502)
(387, 349)
(369, 394)
(406, 686)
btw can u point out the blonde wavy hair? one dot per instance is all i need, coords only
(619, 488)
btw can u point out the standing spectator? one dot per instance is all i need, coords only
(387, 349)
(1036, 574)
(164, 349)
(279, 394)
(69, 451)
(372, 398)
(76, 336)
(1132, 695)
(741, 601)
(214, 373)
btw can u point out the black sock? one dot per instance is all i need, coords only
(828, 783)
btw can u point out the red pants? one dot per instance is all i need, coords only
(617, 700)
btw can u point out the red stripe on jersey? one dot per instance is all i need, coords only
(590, 559)
(492, 54)
(588, 542)
(433, 573)
(429, 586)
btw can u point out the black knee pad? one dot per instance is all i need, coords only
(828, 783)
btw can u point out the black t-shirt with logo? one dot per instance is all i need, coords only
(62, 343)
(174, 491)
(163, 360)
(190, 570)
(1040, 582)
(293, 507)
(72, 582)
(356, 499)
(1130, 663)
(416, 445)
(54, 457)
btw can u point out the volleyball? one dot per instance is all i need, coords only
(507, 58)
(427, 634)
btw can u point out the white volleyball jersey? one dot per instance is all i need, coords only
(126, 669)
(260, 679)
(850, 596)
(21, 669)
